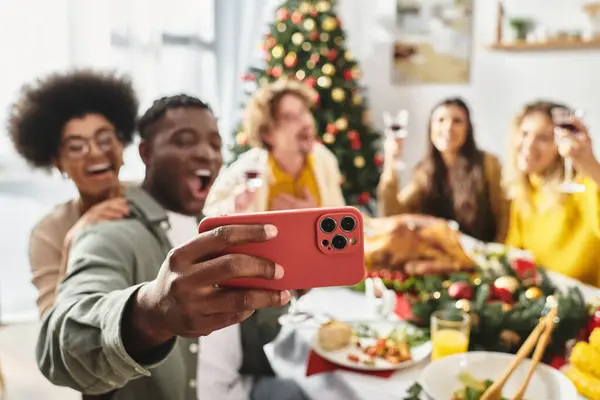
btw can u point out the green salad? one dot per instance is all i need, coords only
(473, 388)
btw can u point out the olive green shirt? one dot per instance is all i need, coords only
(80, 343)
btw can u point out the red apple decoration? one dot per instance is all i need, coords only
(460, 290)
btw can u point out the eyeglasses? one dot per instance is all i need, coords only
(77, 147)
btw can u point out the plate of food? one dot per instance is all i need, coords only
(466, 376)
(380, 346)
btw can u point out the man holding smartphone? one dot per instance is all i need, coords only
(129, 312)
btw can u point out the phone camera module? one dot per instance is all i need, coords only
(328, 225)
(348, 224)
(339, 242)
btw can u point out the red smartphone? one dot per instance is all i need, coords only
(317, 247)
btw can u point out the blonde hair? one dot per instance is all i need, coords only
(260, 112)
(516, 182)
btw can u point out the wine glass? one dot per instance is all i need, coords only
(254, 173)
(396, 127)
(293, 314)
(562, 118)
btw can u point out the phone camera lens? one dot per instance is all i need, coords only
(339, 242)
(328, 225)
(348, 224)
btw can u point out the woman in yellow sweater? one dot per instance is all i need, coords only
(455, 180)
(561, 230)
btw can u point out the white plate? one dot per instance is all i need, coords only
(440, 378)
(340, 357)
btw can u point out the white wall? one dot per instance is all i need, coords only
(501, 82)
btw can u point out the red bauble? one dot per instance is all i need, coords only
(378, 160)
(356, 144)
(348, 75)
(314, 58)
(314, 35)
(283, 14)
(502, 294)
(460, 290)
(331, 128)
(331, 55)
(297, 17)
(310, 81)
(525, 269)
(364, 198)
(353, 135)
(290, 61)
(277, 71)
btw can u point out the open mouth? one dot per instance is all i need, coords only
(99, 169)
(202, 182)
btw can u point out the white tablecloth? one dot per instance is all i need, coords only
(288, 353)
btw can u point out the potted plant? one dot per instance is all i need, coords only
(521, 27)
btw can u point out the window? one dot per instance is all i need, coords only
(168, 47)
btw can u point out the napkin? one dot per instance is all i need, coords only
(317, 365)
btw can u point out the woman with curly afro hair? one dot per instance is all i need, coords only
(79, 123)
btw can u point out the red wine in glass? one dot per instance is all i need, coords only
(568, 127)
(253, 179)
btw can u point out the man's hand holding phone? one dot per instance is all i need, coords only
(186, 300)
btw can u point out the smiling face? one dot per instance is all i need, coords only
(294, 126)
(91, 154)
(534, 144)
(449, 128)
(183, 158)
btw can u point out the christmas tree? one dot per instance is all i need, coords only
(307, 42)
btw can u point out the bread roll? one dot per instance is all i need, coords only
(334, 335)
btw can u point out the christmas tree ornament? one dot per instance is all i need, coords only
(356, 145)
(328, 69)
(338, 94)
(353, 135)
(348, 55)
(277, 71)
(324, 51)
(304, 7)
(314, 57)
(506, 307)
(509, 283)
(310, 81)
(310, 64)
(332, 55)
(476, 280)
(348, 75)
(290, 60)
(331, 128)
(277, 51)
(313, 11)
(297, 38)
(338, 41)
(463, 304)
(324, 81)
(446, 284)
(323, 6)
(359, 162)
(314, 35)
(460, 290)
(300, 74)
(378, 160)
(328, 138)
(329, 24)
(533, 293)
(357, 99)
(306, 46)
(283, 14)
(309, 24)
(281, 27)
(341, 123)
(297, 17)
(437, 295)
(324, 37)
(356, 73)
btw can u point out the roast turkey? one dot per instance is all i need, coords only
(415, 244)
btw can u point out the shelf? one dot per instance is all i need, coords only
(555, 45)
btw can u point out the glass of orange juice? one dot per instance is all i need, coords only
(450, 330)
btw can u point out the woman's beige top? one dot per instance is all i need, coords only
(393, 201)
(47, 249)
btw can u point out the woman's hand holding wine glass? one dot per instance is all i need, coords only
(396, 131)
(577, 147)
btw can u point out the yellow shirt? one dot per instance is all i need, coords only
(284, 183)
(565, 239)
